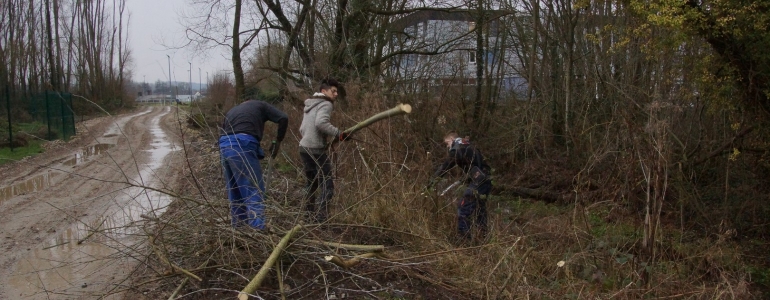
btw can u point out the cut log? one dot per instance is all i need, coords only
(371, 248)
(262, 274)
(347, 264)
(400, 109)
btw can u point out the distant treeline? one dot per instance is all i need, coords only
(71, 46)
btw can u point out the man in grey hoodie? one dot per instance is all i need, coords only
(315, 130)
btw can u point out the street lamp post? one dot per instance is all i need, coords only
(190, 81)
(170, 91)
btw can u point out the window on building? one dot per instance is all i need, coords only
(472, 56)
(411, 60)
(411, 31)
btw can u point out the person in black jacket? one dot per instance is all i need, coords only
(239, 146)
(476, 176)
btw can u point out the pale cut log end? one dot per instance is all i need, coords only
(406, 108)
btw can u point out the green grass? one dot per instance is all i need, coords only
(28, 127)
(8, 156)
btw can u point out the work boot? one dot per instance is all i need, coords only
(322, 214)
(321, 217)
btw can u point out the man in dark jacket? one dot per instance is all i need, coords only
(315, 130)
(476, 176)
(239, 146)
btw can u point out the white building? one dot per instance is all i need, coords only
(439, 49)
(155, 99)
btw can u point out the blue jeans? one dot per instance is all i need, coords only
(243, 177)
(473, 202)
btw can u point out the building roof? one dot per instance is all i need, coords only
(442, 14)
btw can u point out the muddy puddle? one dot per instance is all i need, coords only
(93, 258)
(31, 185)
(84, 154)
(45, 180)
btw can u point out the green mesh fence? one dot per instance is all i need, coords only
(55, 110)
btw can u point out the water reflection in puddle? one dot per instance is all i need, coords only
(96, 254)
(33, 184)
(69, 270)
(44, 180)
(87, 152)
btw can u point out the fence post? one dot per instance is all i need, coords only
(47, 116)
(64, 135)
(72, 114)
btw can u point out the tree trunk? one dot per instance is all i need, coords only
(59, 68)
(480, 58)
(121, 58)
(236, 54)
(51, 59)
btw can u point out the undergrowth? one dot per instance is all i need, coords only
(586, 245)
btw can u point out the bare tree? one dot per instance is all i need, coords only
(221, 24)
(93, 40)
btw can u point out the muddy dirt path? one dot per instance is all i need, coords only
(67, 216)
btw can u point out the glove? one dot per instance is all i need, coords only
(343, 136)
(274, 146)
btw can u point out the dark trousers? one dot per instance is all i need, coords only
(473, 202)
(318, 172)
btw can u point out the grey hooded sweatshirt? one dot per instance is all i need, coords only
(315, 124)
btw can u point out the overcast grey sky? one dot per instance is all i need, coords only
(155, 23)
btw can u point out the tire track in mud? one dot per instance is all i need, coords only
(90, 132)
(72, 239)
